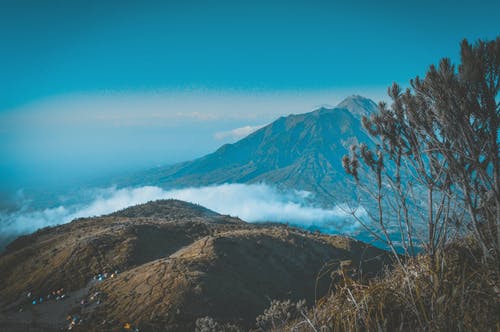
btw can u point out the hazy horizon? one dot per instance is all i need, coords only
(89, 137)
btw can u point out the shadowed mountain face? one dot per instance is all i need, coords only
(302, 152)
(177, 262)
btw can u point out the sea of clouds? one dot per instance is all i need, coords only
(252, 203)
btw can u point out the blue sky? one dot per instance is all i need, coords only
(95, 87)
(58, 47)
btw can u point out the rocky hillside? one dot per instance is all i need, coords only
(162, 265)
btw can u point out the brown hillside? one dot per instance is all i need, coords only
(70, 255)
(230, 276)
(177, 262)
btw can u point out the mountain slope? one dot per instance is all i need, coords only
(69, 255)
(302, 152)
(230, 276)
(176, 262)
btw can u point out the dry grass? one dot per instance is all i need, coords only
(68, 256)
(456, 292)
(228, 277)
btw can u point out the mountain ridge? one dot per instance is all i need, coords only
(298, 151)
(161, 265)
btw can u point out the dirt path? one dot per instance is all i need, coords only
(47, 316)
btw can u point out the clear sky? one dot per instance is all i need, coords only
(96, 87)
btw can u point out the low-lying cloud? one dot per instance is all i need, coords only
(236, 133)
(252, 203)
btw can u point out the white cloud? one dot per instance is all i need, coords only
(252, 203)
(236, 133)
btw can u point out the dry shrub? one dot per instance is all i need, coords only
(457, 292)
(208, 324)
(279, 313)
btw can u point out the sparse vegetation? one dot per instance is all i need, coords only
(177, 265)
(451, 294)
(440, 136)
(208, 324)
(279, 313)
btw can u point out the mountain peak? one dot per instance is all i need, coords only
(358, 105)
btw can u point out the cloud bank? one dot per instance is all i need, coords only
(252, 203)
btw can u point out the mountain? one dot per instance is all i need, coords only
(301, 151)
(160, 266)
(358, 106)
